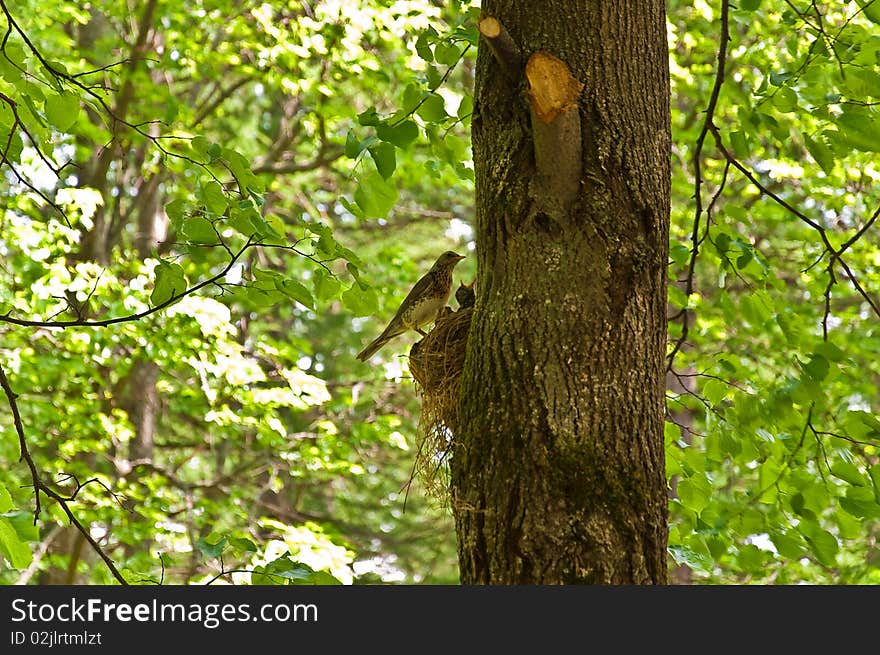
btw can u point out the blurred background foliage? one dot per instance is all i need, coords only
(258, 185)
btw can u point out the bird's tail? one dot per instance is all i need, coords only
(387, 335)
(370, 350)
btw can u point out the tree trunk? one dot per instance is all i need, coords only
(558, 466)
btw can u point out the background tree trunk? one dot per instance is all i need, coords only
(558, 469)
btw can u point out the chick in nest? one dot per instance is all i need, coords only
(466, 294)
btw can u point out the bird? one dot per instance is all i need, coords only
(465, 295)
(422, 304)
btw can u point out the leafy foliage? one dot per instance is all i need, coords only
(204, 203)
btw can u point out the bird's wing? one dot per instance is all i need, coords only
(418, 289)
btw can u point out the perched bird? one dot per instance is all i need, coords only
(422, 304)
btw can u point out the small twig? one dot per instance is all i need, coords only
(502, 47)
(832, 280)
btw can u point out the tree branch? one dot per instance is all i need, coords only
(698, 173)
(6, 318)
(40, 486)
(502, 46)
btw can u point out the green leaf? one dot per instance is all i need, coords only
(369, 117)
(860, 502)
(849, 472)
(435, 77)
(326, 286)
(871, 9)
(447, 53)
(676, 296)
(384, 156)
(412, 96)
(695, 492)
(874, 473)
(170, 282)
(375, 196)
(465, 107)
(6, 503)
(785, 100)
(821, 152)
(62, 110)
(822, 543)
(695, 554)
(749, 5)
(296, 290)
(200, 144)
(214, 151)
(353, 146)
(199, 230)
(433, 109)
(715, 391)
(214, 198)
(324, 578)
(779, 78)
(16, 145)
(739, 143)
(16, 552)
(423, 48)
(750, 558)
(400, 135)
(830, 351)
(246, 219)
(243, 544)
(860, 130)
(275, 226)
(263, 297)
(240, 167)
(787, 546)
(679, 253)
(175, 211)
(23, 522)
(361, 302)
(211, 546)
(817, 368)
(326, 242)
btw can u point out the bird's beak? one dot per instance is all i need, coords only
(460, 257)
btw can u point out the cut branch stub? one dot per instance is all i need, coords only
(556, 133)
(502, 46)
(552, 89)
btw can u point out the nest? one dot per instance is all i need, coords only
(436, 363)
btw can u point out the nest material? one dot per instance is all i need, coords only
(436, 363)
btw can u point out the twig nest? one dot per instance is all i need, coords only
(437, 360)
(436, 363)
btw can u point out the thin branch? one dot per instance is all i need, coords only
(207, 109)
(4, 159)
(324, 157)
(843, 437)
(858, 235)
(832, 280)
(836, 256)
(40, 486)
(724, 41)
(6, 318)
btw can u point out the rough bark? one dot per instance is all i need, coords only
(558, 467)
